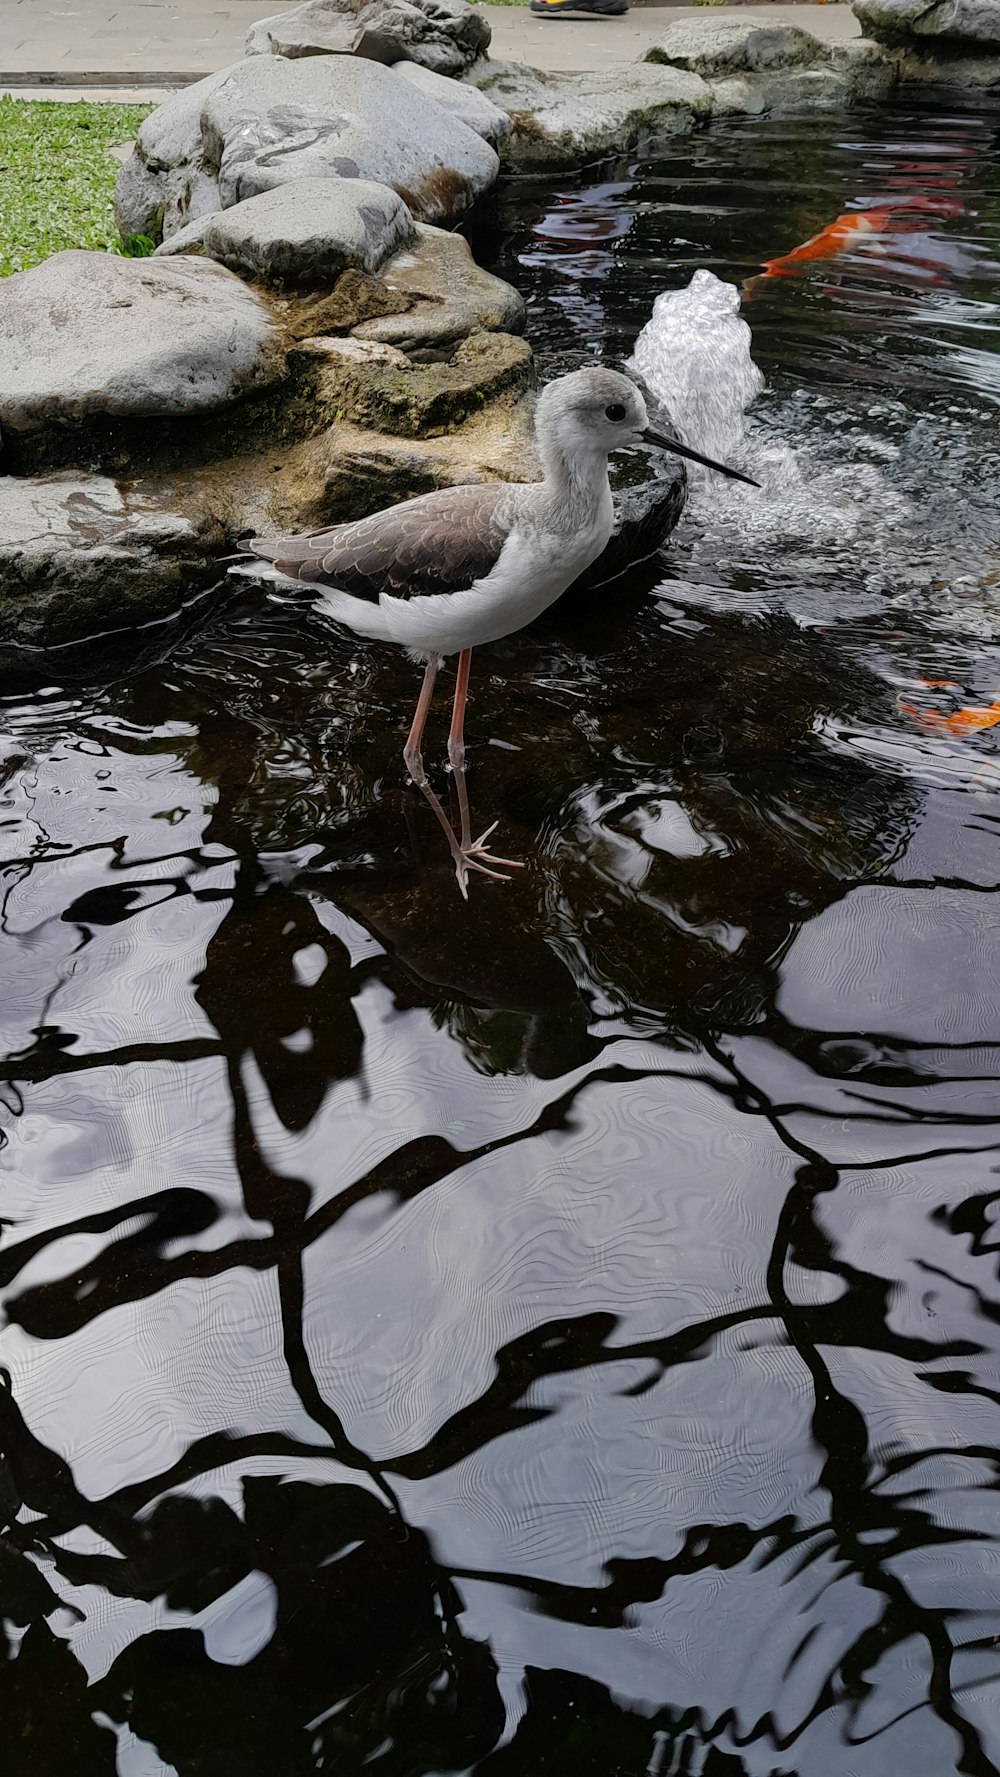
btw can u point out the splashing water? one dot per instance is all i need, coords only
(694, 353)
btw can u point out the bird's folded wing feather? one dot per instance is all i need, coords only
(440, 542)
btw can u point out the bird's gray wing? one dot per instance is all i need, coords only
(440, 542)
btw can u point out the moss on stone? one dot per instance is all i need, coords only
(356, 296)
(425, 400)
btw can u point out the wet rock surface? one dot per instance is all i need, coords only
(79, 553)
(303, 233)
(444, 35)
(89, 336)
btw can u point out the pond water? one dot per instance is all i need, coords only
(560, 1333)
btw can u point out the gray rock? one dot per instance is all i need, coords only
(316, 29)
(79, 555)
(190, 238)
(444, 35)
(970, 24)
(271, 120)
(304, 233)
(449, 296)
(564, 120)
(788, 89)
(463, 101)
(166, 182)
(866, 67)
(88, 334)
(945, 65)
(723, 46)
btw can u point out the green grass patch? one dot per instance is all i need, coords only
(57, 176)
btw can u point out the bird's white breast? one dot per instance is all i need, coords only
(532, 570)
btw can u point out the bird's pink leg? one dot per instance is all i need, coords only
(471, 855)
(413, 758)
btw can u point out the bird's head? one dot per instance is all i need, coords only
(600, 410)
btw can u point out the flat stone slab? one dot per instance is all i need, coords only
(721, 46)
(447, 296)
(271, 120)
(79, 555)
(303, 234)
(973, 25)
(87, 334)
(565, 120)
(465, 102)
(445, 35)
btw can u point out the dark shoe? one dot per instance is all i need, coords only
(578, 9)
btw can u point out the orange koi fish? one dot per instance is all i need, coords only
(830, 241)
(960, 723)
(839, 236)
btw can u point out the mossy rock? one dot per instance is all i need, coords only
(425, 400)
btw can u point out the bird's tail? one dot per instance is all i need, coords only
(286, 556)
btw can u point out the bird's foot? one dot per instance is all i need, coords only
(472, 856)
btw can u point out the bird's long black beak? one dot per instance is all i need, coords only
(694, 456)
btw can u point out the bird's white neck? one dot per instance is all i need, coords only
(575, 471)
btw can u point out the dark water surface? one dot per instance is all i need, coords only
(560, 1334)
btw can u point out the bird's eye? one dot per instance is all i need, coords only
(616, 411)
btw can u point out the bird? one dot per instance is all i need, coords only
(449, 571)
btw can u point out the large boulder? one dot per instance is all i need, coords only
(443, 297)
(721, 46)
(566, 120)
(265, 121)
(167, 182)
(972, 25)
(304, 233)
(463, 101)
(79, 554)
(87, 336)
(444, 35)
(273, 120)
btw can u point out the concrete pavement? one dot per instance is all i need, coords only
(152, 45)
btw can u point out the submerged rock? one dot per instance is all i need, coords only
(304, 233)
(461, 100)
(443, 296)
(79, 554)
(970, 24)
(445, 35)
(87, 335)
(720, 46)
(563, 120)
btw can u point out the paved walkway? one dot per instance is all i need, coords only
(150, 44)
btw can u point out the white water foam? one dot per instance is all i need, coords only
(694, 354)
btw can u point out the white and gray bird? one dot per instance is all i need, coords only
(448, 571)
